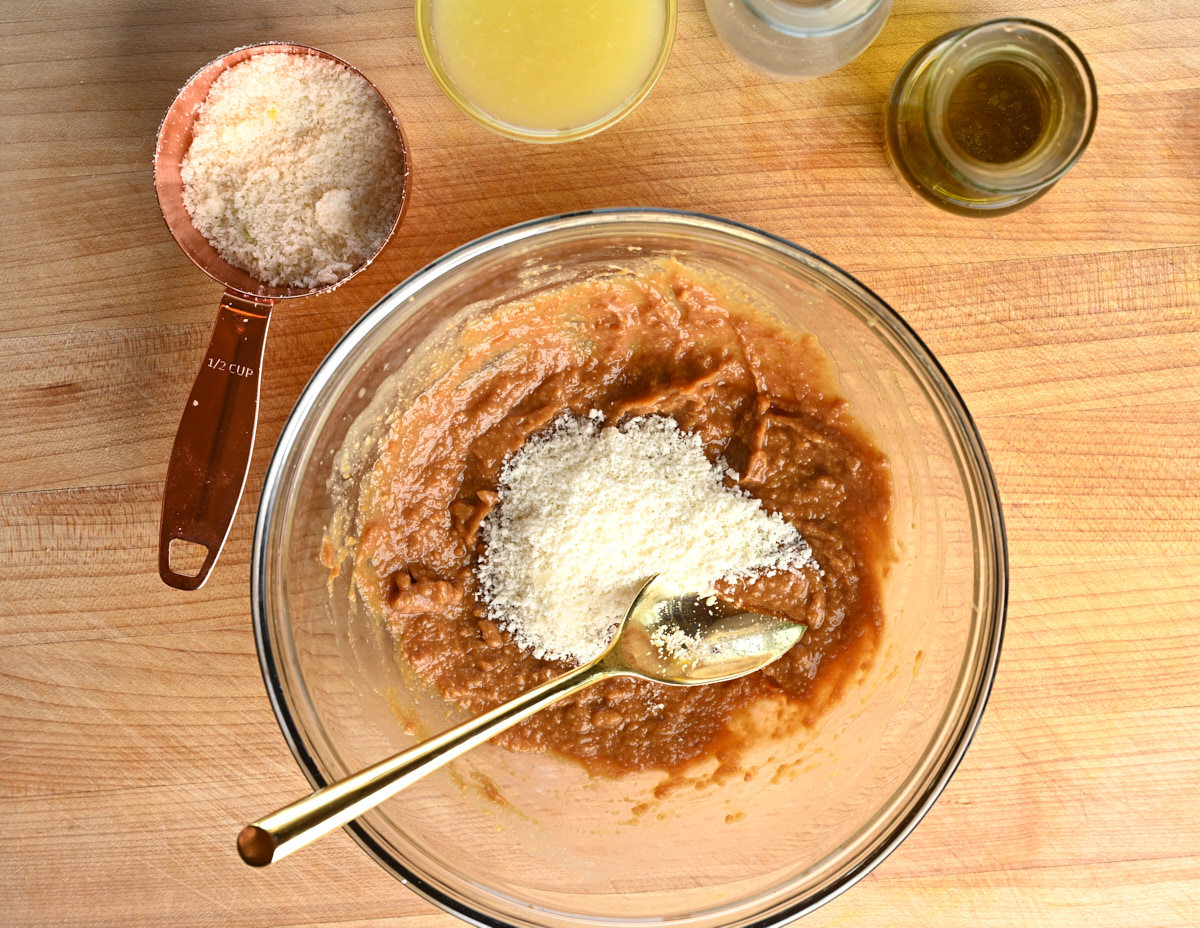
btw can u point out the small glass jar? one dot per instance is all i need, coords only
(795, 40)
(984, 120)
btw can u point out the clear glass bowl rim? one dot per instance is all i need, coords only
(396, 298)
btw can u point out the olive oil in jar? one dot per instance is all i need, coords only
(997, 112)
(984, 120)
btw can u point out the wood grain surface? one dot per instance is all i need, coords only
(135, 734)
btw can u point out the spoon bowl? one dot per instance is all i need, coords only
(668, 635)
(684, 638)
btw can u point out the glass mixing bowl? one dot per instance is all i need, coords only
(502, 838)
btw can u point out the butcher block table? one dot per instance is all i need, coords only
(135, 733)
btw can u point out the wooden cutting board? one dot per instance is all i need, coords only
(135, 735)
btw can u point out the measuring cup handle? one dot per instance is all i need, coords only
(211, 455)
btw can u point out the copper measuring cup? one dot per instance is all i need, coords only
(211, 454)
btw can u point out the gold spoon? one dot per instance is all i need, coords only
(667, 636)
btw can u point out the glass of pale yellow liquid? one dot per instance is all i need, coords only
(546, 70)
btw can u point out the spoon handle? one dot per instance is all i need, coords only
(319, 813)
(211, 455)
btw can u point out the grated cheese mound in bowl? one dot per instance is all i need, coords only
(295, 172)
(588, 514)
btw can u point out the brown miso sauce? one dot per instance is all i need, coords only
(665, 342)
(997, 112)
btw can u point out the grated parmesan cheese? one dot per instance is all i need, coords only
(690, 649)
(295, 172)
(588, 514)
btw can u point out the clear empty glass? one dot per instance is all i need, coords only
(795, 40)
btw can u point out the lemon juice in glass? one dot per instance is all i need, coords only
(546, 70)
